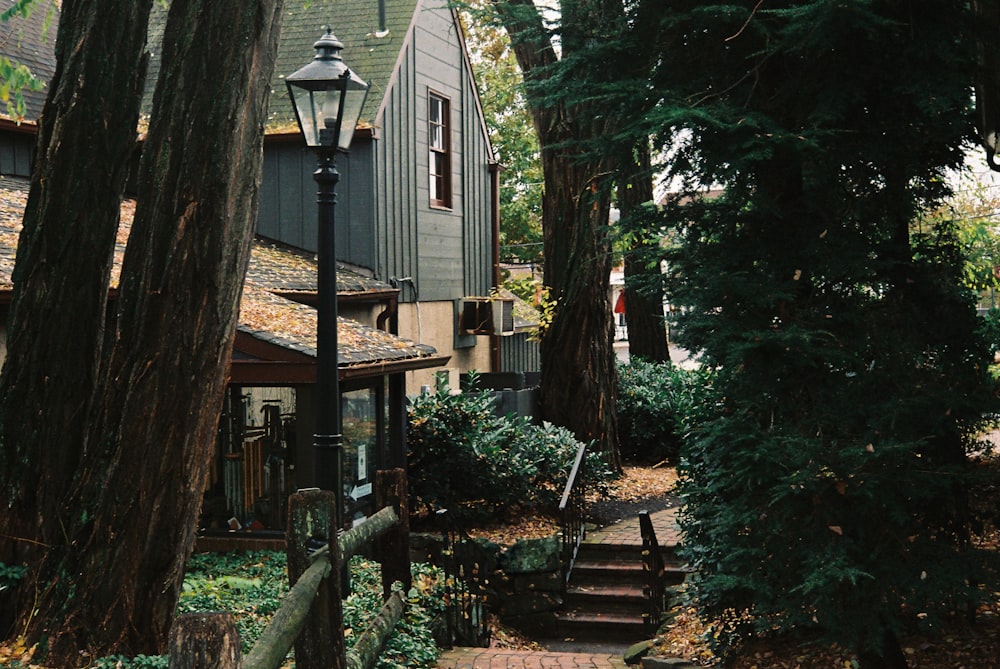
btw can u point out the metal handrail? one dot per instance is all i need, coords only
(571, 525)
(465, 592)
(654, 570)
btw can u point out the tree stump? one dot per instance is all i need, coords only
(205, 641)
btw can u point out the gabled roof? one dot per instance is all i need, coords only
(371, 48)
(265, 315)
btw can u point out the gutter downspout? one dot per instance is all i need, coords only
(495, 360)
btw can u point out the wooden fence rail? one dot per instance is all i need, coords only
(310, 617)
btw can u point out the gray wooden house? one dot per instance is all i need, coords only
(417, 200)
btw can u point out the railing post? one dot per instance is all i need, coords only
(652, 563)
(204, 641)
(394, 548)
(312, 517)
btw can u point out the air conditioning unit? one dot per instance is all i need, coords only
(486, 315)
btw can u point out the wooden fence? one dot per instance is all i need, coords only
(311, 615)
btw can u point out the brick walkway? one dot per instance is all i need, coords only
(497, 658)
(624, 533)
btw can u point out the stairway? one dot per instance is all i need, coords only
(606, 594)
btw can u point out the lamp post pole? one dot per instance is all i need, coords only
(328, 439)
(328, 99)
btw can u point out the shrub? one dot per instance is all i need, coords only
(658, 403)
(478, 465)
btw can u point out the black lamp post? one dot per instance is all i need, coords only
(328, 98)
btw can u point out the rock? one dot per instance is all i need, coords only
(531, 555)
(637, 651)
(667, 663)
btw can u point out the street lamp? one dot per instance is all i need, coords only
(328, 98)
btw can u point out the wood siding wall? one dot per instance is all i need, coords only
(384, 218)
(287, 210)
(447, 252)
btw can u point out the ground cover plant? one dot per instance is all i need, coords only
(251, 585)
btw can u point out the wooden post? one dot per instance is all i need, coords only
(394, 548)
(312, 516)
(204, 641)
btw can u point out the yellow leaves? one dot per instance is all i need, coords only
(17, 652)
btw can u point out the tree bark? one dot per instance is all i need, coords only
(987, 80)
(137, 495)
(205, 641)
(578, 383)
(62, 272)
(647, 334)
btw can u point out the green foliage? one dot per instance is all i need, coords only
(10, 575)
(499, 81)
(412, 643)
(658, 405)
(464, 458)
(525, 287)
(250, 586)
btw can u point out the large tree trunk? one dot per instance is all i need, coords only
(578, 382)
(987, 13)
(647, 334)
(86, 138)
(138, 494)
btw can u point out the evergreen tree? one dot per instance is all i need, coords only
(828, 497)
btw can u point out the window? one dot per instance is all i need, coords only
(439, 143)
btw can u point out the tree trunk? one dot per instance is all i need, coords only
(577, 388)
(647, 334)
(56, 326)
(205, 641)
(138, 494)
(987, 13)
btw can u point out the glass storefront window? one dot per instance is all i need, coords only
(361, 443)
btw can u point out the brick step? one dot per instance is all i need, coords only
(624, 552)
(577, 624)
(605, 598)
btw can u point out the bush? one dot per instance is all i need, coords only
(658, 403)
(481, 466)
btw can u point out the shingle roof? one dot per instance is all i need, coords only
(30, 41)
(369, 51)
(263, 314)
